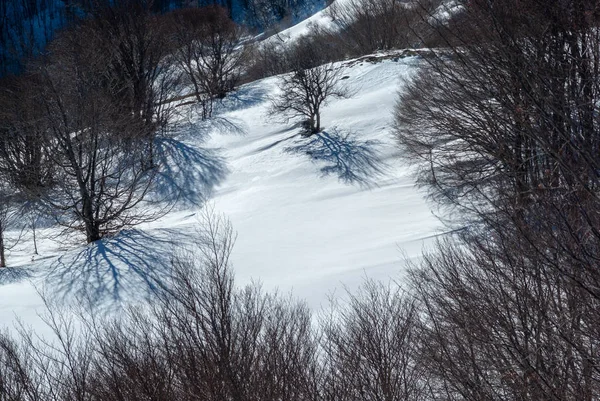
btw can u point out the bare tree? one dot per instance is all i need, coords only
(367, 26)
(133, 45)
(370, 344)
(305, 91)
(502, 122)
(97, 148)
(208, 48)
(5, 217)
(10, 217)
(86, 119)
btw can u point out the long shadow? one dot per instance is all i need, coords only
(276, 143)
(129, 266)
(188, 173)
(354, 161)
(224, 126)
(201, 129)
(9, 275)
(247, 96)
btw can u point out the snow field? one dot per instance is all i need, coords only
(313, 215)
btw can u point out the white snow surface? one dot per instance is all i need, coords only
(313, 215)
(304, 27)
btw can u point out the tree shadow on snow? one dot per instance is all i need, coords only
(191, 126)
(132, 264)
(9, 275)
(243, 98)
(214, 125)
(247, 96)
(354, 161)
(188, 173)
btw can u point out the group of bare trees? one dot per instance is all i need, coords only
(504, 124)
(361, 27)
(78, 135)
(375, 25)
(78, 128)
(207, 46)
(204, 338)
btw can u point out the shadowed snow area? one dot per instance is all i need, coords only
(312, 214)
(352, 160)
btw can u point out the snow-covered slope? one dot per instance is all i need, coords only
(315, 212)
(321, 19)
(312, 214)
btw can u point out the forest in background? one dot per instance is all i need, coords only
(27, 26)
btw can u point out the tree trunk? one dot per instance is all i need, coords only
(33, 227)
(92, 232)
(2, 256)
(318, 124)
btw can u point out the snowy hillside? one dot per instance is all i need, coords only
(312, 214)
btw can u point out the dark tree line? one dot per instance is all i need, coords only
(503, 123)
(205, 338)
(27, 26)
(207, 46)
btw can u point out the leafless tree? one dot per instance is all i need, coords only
(208, 48)
(77, 131)
(97, 148)
(11, 205)
(501, 122)
(305, 91)
(133, 44)
(6, 215)
(370, 346)
(3, 213)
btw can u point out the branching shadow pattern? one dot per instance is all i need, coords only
(133, 264)
(188, 173)
(9, 275)
(247, 96)
(354, 161)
